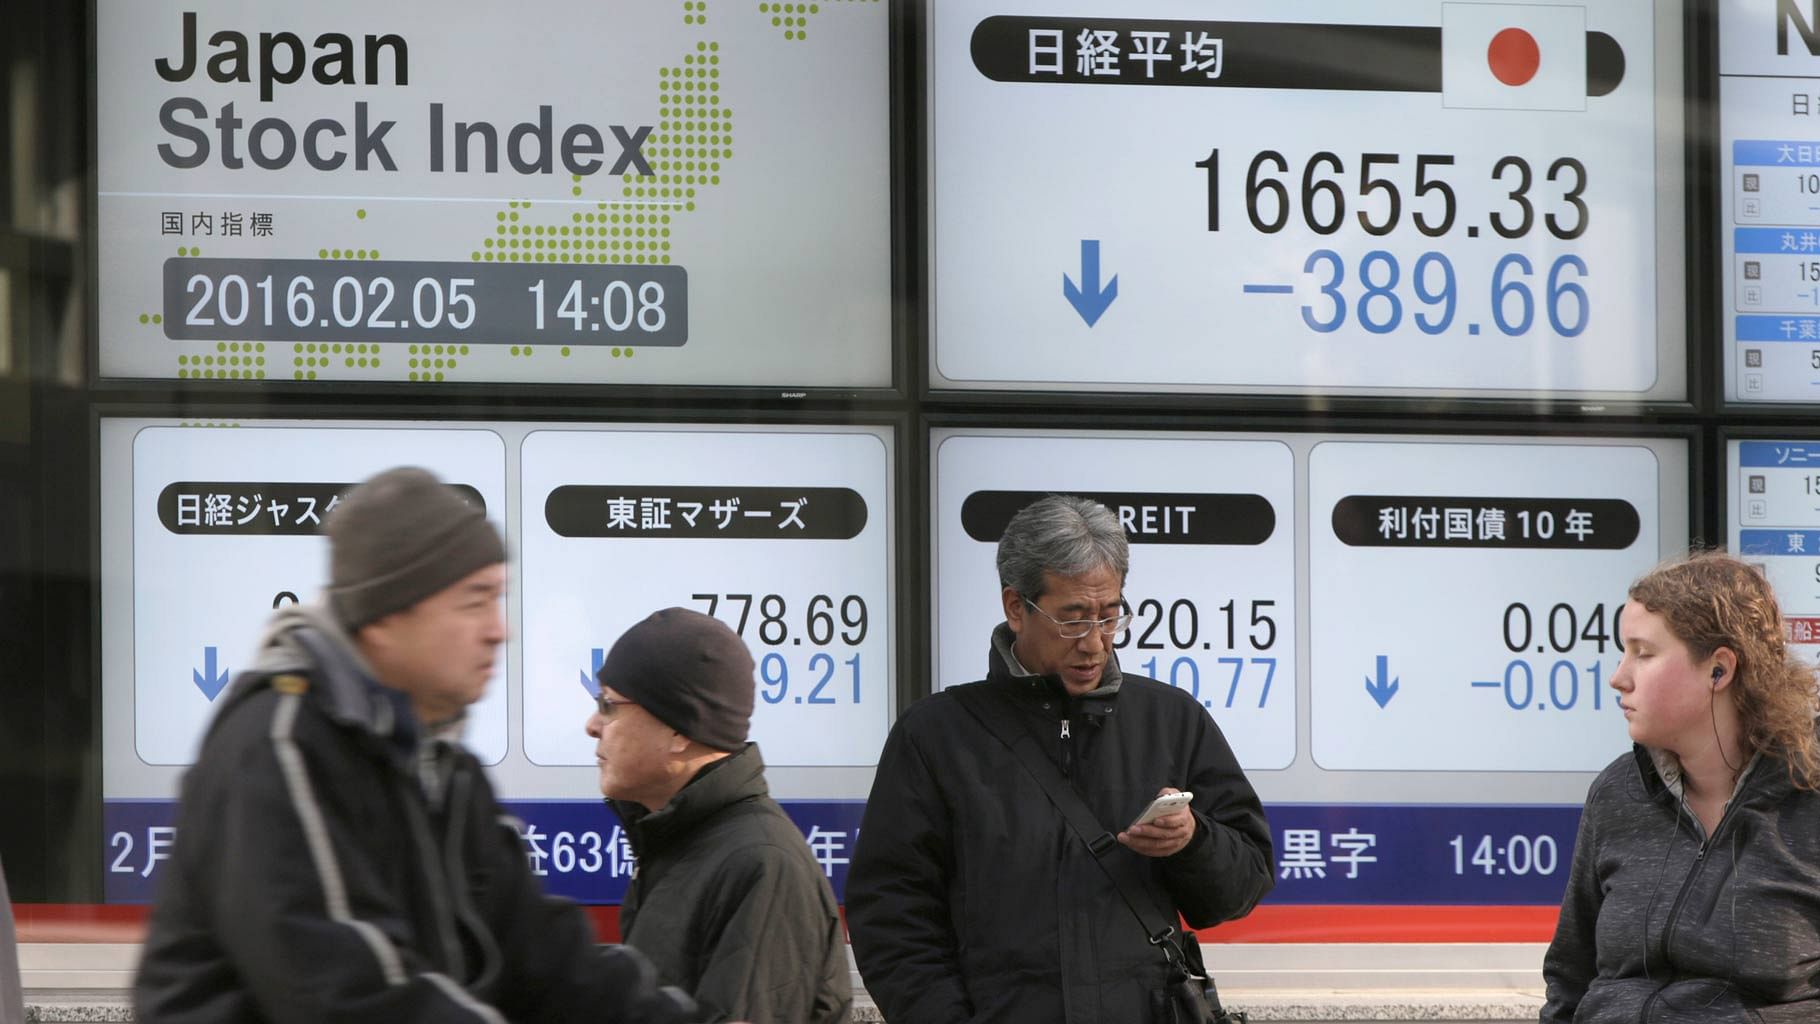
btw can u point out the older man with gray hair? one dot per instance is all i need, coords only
(996, 877)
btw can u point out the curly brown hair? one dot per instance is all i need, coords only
(1711, 600)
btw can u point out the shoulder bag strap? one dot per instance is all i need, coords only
(997, 719)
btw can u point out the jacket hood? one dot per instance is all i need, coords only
(309, 640)
(728, 781)
(1002, 664)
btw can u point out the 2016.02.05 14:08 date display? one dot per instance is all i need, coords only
(414, 301)
(1373, 290)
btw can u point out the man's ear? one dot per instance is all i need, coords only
(375, 635)
(1014, 609)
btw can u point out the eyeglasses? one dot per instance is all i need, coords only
(607, 705)
(1074, 629)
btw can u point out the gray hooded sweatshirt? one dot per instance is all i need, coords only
(1662, 924)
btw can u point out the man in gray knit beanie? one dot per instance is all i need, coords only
(338, 853)
(400, 537)
(415, 577)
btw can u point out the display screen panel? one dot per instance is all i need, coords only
(1773, 522)
(227, 527)
(575, 192)
(1498, 573)
(1447, 200)
(1413, 744)
(787, 534)
(1769, 200)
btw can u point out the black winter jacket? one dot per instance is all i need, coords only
(1664, 925)
(730, 904)
(970, 899)
(332, 865)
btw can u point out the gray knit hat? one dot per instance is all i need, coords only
(400, 537)
(690, 671)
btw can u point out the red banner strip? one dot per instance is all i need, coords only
(90, 922)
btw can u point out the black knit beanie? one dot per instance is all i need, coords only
(690, 671)
(400, 537)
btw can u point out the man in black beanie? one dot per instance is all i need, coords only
(340, 854)
(728, 901)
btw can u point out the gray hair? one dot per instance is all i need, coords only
(1064, 535)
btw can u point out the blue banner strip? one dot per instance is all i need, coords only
(1325, 853)
(1802, 330)
(1775, 153)
(1776, 241)
(1771, 454)
(1421, 854)
(1779, 542)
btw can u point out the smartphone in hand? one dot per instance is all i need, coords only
(1168, 803)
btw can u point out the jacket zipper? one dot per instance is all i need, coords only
(435, 880)
(1674, 910)
(1067, 751)
(490, 957)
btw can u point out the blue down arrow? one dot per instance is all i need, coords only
(1089, 300)
(1382, 688)
(590, 680)
(208, 680)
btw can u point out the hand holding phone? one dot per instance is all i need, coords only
(1168, 803)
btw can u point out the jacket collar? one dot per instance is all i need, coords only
(719, 785)
(1004, 668)
(308, 640)
(1660, 772)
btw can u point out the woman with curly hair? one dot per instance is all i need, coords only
(1695, 888)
